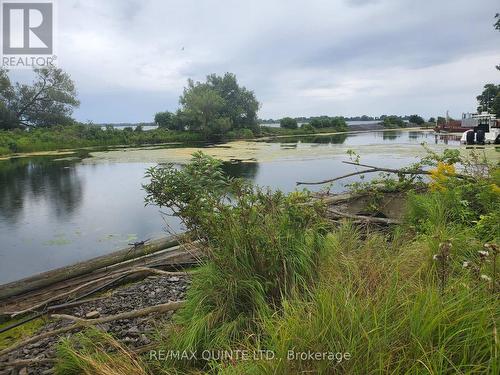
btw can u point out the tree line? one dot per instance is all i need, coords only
(337, 123)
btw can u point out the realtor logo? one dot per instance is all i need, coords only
(27, 33)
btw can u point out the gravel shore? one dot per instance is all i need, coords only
(131, 332)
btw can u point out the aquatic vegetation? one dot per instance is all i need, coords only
(59, 240)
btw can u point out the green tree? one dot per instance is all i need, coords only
(165, 120)
(416, 119)
(8, 118)
(432, 120)
(488, 97)
(393, 122)
(202, 107)
(216, 106)
(48, 101)
(495, 108)
(241, 106)
(288, 123)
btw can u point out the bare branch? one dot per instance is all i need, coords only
(381, 169)
(170, 306)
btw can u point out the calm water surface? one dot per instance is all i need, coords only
(56, 211)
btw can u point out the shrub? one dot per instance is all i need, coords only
(393, 122)
(308, 128)
(338, 123)
(288, 123)
(416, 119)
(240, 134)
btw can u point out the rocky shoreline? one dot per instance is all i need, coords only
(133, 333)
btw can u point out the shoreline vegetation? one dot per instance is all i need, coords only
(284, 272)
(62, 139)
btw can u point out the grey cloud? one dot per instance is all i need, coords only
(280, 49)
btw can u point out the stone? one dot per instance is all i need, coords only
(133, 330)
(93, 314)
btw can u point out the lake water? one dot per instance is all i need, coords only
(57, 210)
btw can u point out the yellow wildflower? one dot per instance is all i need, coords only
(440, 174)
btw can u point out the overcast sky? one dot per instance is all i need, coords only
(131, 58)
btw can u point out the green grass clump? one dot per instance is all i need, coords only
(93, 352)
(261, 250)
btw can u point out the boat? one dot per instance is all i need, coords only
(450, 126)
(481, 128)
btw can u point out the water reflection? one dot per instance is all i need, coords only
(247, 170)
(370, 138)
(288, 142)
(390, 135)
(24, 180)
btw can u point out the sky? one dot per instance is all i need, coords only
(132, 58)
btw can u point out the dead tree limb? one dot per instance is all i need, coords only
(92, 282)
(373, 169)
(408, 171)
(170, 306)
(368, 219)
(65, 294)
(26, 362)
(336, 178)
(67, 317)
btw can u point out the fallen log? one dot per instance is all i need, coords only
(50, 277)
(83, 323)
(368, 219)
(90, 283)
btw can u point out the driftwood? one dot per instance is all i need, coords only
(27, 362)
(373, 169)
(168, 259)
(368, 219)
(83, 323)
(82, 268)
(93, 282)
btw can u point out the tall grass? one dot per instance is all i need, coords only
(96, 353)
(261, 250)
(382, 306)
